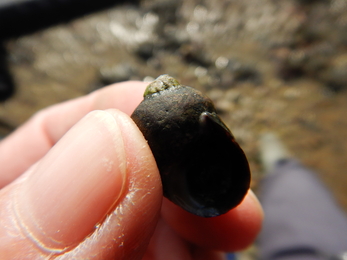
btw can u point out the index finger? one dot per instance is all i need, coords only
(32, 140)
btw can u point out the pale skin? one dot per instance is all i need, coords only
(79, 180)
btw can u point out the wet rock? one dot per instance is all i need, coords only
(6, 81)
(194, 53)
(166, 9)
(335, 75)
(145, 50)
(290, 65)
(6, 85)
(231, 71)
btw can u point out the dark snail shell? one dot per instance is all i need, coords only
(202, 168)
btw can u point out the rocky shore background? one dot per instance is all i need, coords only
(268, 65)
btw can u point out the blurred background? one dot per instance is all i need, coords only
(268, 65)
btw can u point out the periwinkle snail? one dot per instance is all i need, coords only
(202, 168)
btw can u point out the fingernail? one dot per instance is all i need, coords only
(75, 185)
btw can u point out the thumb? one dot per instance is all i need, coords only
(96, 194)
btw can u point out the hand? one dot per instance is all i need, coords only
(86, 185)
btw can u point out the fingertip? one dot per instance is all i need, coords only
(244, 223)
(232, 231)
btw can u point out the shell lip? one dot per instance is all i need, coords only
(193, 206)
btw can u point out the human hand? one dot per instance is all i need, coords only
(80, 185)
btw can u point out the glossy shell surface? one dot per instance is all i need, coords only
(202, 168)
